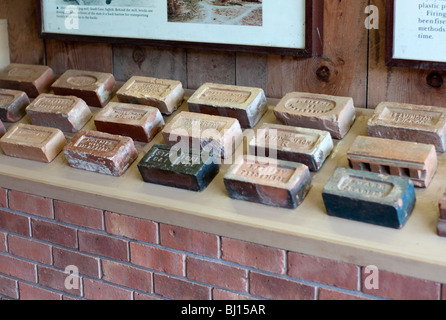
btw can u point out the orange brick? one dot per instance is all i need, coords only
(103, 245)
(54, 232)
(8, 287)
(14, 222)
(30, 249)
(130, 227)
(3, 198)
(86, 264)
(30, 292)
(179, 289)
(31, 204)
(327, 294)
(97, 290)
(55, 279)
(127, 276)
(220, 294)
(78, 215)
(17, 268)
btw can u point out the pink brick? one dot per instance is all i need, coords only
(97, 290)
(2, 241)
(131, 227)
(157, 258)
(8, 287)
(323, 270)
(103, 245)
(30, 249)
(253, 255)
(179, 289)
(55, 279)
(54, 232)
(86, 264)
(17, 268)
(400, 287)
(30, 292)
(217, 274)
(31, 204)
(127, 276)
(189, 240)
(78, 215)
(220, 294)
(3, 198)
(14, 222)
(276, 288)
(327, 294)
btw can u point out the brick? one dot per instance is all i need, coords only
(369, 197)
(417, 161)
(2, 241)
(441, 228)
(189, 240)
(307, 146)
(32, 204)
(131, 227)
(246, 104)
(97, 290)
(141, 123)
(66, 113)
(267, 181)
(17, 268)
(3, 198)
(54, 233)
(31, 292)
(57, 280)
(2, 129)
(317, 111)
(32, 79)
(127, 276)
(210, 133)
(400, 287)
(443, 292)
(101, 152)
(221, 275)
(12, 105)
(158, 259)
(408, 122)
(187, 170)
(276, 288)
(142, 296)
(179, 289)
(330, 272)
(95, 88)
(8, 287)
(103, 245)
(15, 223)
(78, 215)
(332, 295)
(220, 294)
(86, 264)
(166, 95)
(442, 207)
(30, 249)
(32, 142)
(253, 255)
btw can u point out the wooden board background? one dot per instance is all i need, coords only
(352, 63)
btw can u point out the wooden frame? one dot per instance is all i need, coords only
(313, 36)
(391, 61)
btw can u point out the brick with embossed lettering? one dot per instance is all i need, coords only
(141, 123)
(32, 79)
(67, 113)
(316, 111)
(267, 181)
(221, 135)
(408, 122)
(184, 169)
(308, 146)
(166, 95)
(101, 152)
(32, 142)
(95, 88)
(246, 104)
(369, 197)
(12, 105)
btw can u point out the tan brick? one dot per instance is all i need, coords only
(179, 289)
(131, 227)
(78, 215)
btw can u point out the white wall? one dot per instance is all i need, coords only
(4, 44)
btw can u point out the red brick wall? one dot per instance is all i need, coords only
(121, 257)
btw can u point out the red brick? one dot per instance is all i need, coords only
(157, 258)
(30, 249)
(2, 241)
(14, 222)
(189, 240)
(253, 255)
(275, 288)
(97, 290)
(323, 270)
(17, 268)
(142, 296)
(54, 232)
(400, 287)
(30, 292)
(86, 264)
(127, 276)
(8, 287)
(220, 294)
(179, 289)
(130, 227)
(103, 245)
(56, 279)
(327, 294)
(218, 274)
(31, 204)
(78, 215)
(3, 198)
(443, 292)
